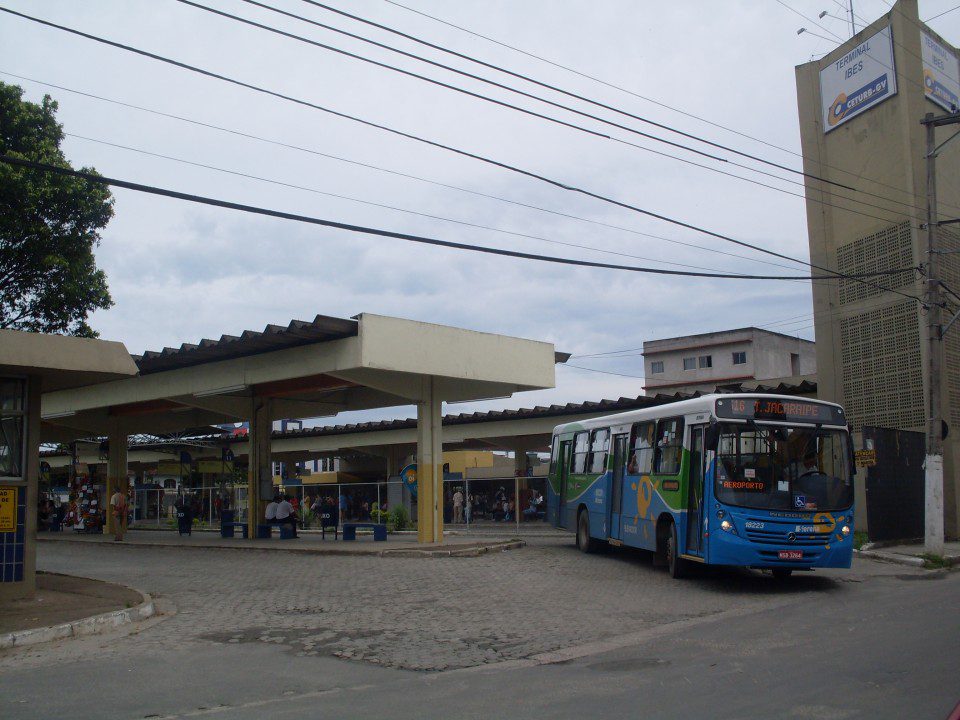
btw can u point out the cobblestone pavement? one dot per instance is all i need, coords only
(409, 613)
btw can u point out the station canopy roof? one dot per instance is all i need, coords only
(304, 369)
(62, 362)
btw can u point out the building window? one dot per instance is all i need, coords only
(690, 363)
(12, 416)
(740, 358)
(656, 366)
(706, 361)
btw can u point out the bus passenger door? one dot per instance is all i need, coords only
(563, 473)
(616, 491)
(695, 510)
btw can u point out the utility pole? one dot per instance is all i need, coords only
(933, 465)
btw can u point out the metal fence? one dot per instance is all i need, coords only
(489, 501)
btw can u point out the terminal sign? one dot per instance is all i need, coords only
(858, 80)
(8, 509)
(941, 73)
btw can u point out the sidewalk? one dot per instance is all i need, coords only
(309, 542)
(66, 606)
(912, 555)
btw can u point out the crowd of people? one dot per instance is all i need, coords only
(498, 505)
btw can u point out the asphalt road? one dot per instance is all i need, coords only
(879, 641)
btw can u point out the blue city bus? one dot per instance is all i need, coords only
(749, 480)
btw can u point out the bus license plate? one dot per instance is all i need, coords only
(790, 554)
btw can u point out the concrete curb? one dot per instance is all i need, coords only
(472, 550)
(85, 626)
(908, 560)
(456, 552)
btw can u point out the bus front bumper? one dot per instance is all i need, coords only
(727, 548)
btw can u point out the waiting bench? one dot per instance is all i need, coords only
(265, 531)
(350, 531)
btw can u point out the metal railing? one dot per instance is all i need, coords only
(485, 501)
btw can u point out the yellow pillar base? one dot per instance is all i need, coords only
(429, 504)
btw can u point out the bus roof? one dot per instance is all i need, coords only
(702, 404)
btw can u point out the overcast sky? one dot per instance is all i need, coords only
(181, 272)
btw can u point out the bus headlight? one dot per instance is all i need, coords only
(845, 530)
(726, 525)
(721, 514)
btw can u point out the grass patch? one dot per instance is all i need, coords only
(860, 539)
(932, 561)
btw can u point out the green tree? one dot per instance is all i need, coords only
(49, 280)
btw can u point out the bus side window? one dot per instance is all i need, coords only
(581, 448)
(598, 450)
(669, 446)
(641, 456)
(554, 452)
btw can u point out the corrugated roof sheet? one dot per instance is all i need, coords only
(250, 342)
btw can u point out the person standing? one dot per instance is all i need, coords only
(118, 506)
(458, 506)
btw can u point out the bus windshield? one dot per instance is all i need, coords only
(783, 468)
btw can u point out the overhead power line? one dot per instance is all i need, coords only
(856, 175)
(432, 143)
(293, 186)
(255, 210)
(526, 111)
(562, 91)
(939, 15)
(389, 171)
(551, 103)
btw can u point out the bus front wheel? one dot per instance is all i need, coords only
(584, 542)
(676, 565)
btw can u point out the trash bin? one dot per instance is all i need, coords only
(226, 523)
(185, 520)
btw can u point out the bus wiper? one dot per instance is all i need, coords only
(811, 439)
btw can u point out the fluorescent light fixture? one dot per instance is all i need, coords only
(222, 391)
(54, 416)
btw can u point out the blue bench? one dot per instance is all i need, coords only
(350, 531)
(227, 529)
(265, 531)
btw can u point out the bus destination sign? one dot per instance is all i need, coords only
(780, 410)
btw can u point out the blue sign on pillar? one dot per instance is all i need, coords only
(409, 477)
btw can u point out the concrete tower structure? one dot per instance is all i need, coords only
(860, 110)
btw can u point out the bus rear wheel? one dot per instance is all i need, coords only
(585, 543)
(676, 565)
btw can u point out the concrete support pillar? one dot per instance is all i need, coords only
(429, 465)
(519, 460)
(393, 461)
(259, 466)
(116, 470)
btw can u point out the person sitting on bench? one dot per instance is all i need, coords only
(286, 514)
(270, 514)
